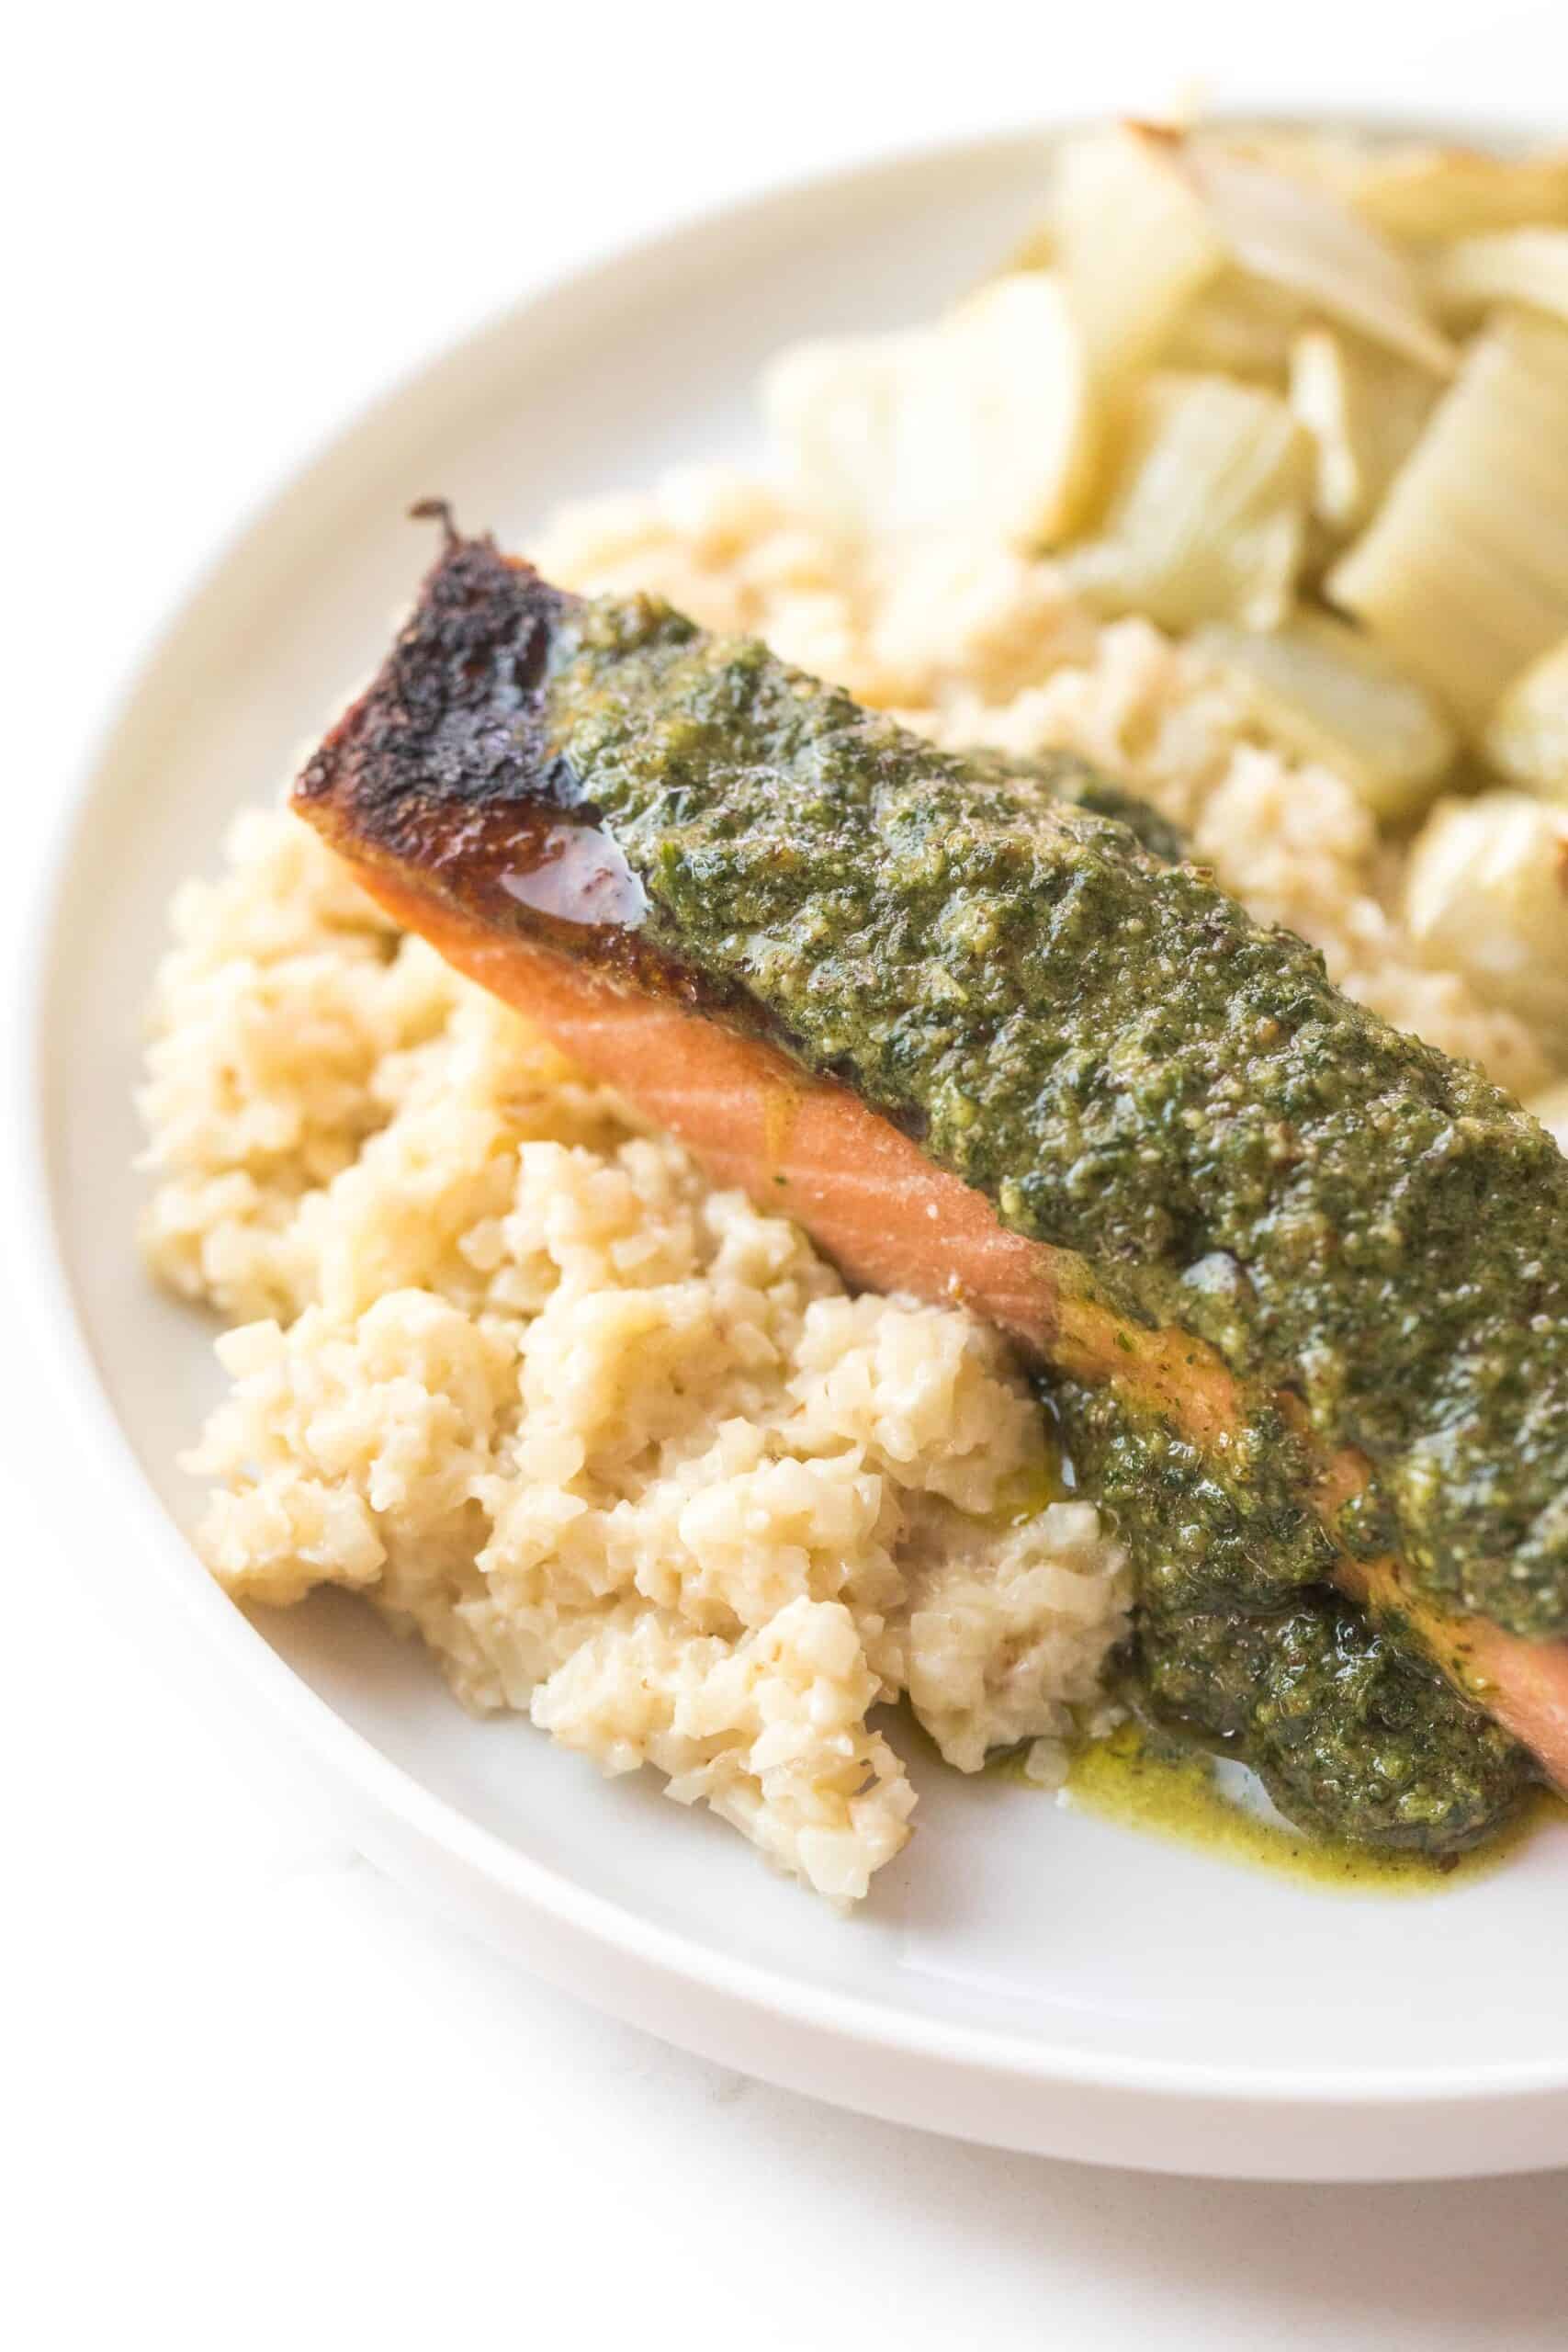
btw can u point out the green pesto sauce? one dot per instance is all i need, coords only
(1240, 1651)
(1354, 1735)
(1126, 1064)
(1145, 1779)
(1206, 1533)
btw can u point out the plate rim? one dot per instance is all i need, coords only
(55, 1314)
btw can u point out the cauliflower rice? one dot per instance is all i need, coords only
(620, 1449)
(623, 1450)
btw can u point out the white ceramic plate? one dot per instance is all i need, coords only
(1022, 1975)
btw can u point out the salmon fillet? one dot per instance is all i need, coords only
(447, 788)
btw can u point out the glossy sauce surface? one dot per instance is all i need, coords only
(575, 873)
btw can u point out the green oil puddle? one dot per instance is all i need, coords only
(1143, 1780)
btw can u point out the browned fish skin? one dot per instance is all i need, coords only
(442, 769)
(451, 725)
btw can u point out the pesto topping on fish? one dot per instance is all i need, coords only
(1123, 1061)
(1352, 1731)
(1206, 1533)
(1352, 1735)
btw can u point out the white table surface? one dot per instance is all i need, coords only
(253, 2093)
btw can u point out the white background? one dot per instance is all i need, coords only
(251, 2094)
